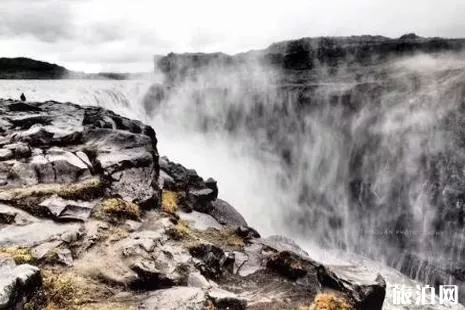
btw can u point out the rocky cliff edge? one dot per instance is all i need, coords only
(92, 218)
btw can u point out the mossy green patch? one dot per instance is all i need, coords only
(325, 301)
(179, 231)
(169, 202)
(116, 209)
(225, 237)
(29, 198)
(89, 188)
(68, 290)
(19, 255)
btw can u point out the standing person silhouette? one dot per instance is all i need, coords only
(23, 98)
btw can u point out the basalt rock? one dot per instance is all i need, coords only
(289, 265)
(18, 284)
(226, 214)
(79, 191)
(202, 196)
(367, 289)
(61, 143)
(184, 179)
(7, 216)
(214, 261)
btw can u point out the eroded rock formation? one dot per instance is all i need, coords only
(92, 218)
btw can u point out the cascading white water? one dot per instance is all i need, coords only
(121, 96)
(319, 166)
(369, 161)
(348, 176)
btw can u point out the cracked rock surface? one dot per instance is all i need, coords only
(92, 218)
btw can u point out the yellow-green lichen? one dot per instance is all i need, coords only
(116, 209)
(68, 290)
(81, 190)
(169, 202)
(19, 255)
(179, 231)
(225, 237)
(29, 198)
(325, 301)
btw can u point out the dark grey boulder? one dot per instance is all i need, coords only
(35, 136)
(23, 107)
(7, 216)
(289, 265)
(26, 122)
(18, 284)
(67, 166)
(129, 162)
(200, 199)
(136, 185)
(148, 276)
(282, 243)
(184, 179)
(249, 261)
(67, 210)
(226, 214)
(213, 185)
(167, 266)
(247, 232)
(367, 289)
(214, 261)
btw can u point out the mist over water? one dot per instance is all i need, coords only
(366, 161)
(347, 161)
(121, 96)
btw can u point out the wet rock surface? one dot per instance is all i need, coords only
(92, 218)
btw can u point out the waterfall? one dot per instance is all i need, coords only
(364, 160)
(359, 160)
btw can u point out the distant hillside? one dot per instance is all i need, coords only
(306, 55)
(26, 68)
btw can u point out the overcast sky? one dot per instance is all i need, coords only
(122, 35)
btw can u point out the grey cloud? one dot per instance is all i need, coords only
(52, 21)
(126, 51)
(205, 38)
(86, 31)
(46, 20)
(99, 32)
(119, 30)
